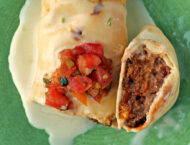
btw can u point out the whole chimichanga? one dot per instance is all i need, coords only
(80, 44)
(149, 80)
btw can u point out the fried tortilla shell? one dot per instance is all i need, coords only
(149, 80)
(59, 19)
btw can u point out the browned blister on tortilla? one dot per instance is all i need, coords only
(149, 80)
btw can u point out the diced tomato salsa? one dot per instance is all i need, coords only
(83, 71)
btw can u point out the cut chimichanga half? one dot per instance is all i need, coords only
(149, 80)
(80, 44)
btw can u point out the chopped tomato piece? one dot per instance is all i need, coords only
(55, 97)
(93, 91)
(106, 63)
(66, 55)
(103, 77)
(87, 62)
(92, 48)
(82, 97)
(67, 64)
(67, 70)
(57, 87)
(78, 50)
(97, 93)
(64, 71)
(56, 75)
(98, 98)
(61, 89)
(79, 84)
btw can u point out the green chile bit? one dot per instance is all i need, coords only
(46, 80)
(105, 76)
(92, 70)
(109, 21)
(77, 72)
(97, 85)
(63, 81)
(109, 86)
(70, 63)
(63, 20)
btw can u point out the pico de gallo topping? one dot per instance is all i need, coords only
(84, 71)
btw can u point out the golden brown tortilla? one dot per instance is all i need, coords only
(154, 40)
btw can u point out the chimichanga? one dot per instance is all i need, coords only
(80, 44)
(149, 80)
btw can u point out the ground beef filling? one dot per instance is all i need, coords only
(145, 73)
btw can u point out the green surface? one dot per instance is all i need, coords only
(172, 16)
(14, 126)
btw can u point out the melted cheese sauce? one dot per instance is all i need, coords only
(61, 128)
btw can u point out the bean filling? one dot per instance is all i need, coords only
(145, 74)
